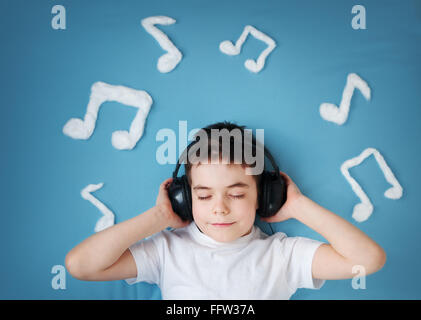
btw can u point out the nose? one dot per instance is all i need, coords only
(220, 206)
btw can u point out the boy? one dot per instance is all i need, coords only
(221, 254)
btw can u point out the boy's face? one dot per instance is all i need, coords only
(224, 200)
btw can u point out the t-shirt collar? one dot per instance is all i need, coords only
(208, 241)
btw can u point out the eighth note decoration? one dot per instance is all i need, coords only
(363, 210)
(108, 219)
(332, 113)
(229, 48)
(168, 61)
(102, 92)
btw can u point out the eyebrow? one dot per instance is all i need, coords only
(235, 185)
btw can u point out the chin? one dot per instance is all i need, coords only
(224, 235)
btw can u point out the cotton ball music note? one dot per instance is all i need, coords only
(168, 61)
(229, 48)
(107, 220)
(102, 92)
(363, 210)
(339, 115)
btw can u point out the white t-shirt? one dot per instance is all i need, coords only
(187, 264)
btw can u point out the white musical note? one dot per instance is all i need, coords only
(108, 219)
(102, 92)
(331, 112)
(171, 59)
(227, 47)
(363, 210)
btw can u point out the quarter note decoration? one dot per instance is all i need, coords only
(331, 112)
(229, 48)
(102, 92)
(108, 217)
(171, 59)
(363, 210)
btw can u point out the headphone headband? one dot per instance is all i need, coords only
(184, 155)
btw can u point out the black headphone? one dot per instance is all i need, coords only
(272, 191)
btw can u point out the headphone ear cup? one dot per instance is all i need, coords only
(262, 198)
(187, 194)
(273, 194)
(180, 198)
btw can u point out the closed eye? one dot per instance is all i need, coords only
(240, 196)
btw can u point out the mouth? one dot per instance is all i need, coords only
(221, 225)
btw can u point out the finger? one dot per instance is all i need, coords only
(166, 183)
(269, 219)
(287, 178)
(284, 174)
(279, 217)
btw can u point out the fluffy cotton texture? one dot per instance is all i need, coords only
(101, 92)
(331, 112)
(229, 48)
(108, 219)
(172, 58)
(363, 210)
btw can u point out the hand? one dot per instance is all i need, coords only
(287, 210)
(164, 204)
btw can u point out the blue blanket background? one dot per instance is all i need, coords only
(45, 80)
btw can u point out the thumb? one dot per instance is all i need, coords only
(278, 217)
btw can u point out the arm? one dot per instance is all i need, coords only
(105, 255)
(348, 246)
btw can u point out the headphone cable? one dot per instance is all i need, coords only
(270, 225)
